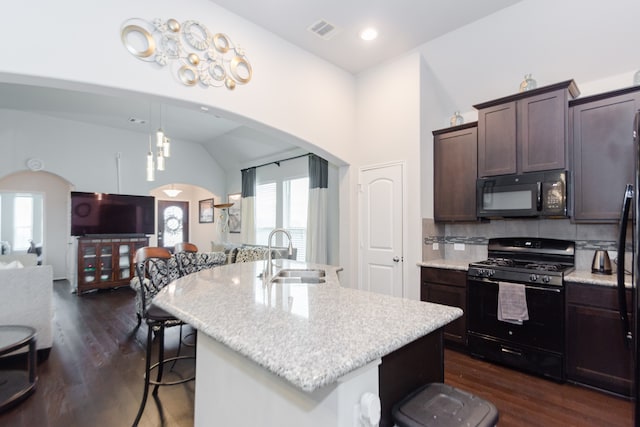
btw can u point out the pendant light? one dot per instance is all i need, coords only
(160, 161)
(166, 147)
(151, 174)
(159, 137)
(172, 192)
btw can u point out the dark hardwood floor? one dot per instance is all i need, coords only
(94, 373)
(525, 400)
(93, 377)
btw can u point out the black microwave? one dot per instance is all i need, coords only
(533, 194)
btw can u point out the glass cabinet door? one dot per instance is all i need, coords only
(124, 261)
(106, 263)
(89, 264)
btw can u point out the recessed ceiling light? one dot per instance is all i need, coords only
(369, 34)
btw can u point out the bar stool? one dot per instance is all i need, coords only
(440, 405)
(187, 257)
(152, 269)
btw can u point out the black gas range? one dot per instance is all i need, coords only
(537, 267)
(526, 260)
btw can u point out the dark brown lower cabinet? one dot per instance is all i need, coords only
(597, 355)
(408, 368)
(447, 287)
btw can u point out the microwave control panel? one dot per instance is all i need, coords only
(553, 196)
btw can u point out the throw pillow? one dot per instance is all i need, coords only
(10, 265)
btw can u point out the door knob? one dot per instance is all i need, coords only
(396, 259)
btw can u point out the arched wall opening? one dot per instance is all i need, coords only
(55, 216)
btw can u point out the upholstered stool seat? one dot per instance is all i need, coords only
(440, 405)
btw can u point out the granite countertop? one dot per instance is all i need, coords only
(446, 263)
(587, 277)
(308, 334)
(576, 276)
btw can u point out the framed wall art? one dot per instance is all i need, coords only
(235, 213)
(205, 211)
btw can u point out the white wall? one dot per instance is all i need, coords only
(388, 130)
(585, 40)
(291, 91)
(85, 155)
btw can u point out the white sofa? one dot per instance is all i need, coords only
(26, 298)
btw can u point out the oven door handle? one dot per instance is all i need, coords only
(537, 288)
(540, 288)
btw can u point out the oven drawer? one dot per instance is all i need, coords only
(539, 362)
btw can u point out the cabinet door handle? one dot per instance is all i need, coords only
(396, 259)
(539, 197)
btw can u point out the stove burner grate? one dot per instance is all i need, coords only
(501, 262)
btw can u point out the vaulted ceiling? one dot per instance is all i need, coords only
(402, 25)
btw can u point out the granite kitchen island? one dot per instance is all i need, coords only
(291, 354)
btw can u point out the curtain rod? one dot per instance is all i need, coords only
(277, 162)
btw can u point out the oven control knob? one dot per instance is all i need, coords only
(546, 279)
(533, 278)
(491, 273)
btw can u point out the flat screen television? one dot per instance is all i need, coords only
(102, 214)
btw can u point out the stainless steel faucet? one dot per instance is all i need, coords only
(269, 268)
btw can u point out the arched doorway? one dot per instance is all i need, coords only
(178, 216)
(54, 215)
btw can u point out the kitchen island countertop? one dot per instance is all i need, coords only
(309, 334)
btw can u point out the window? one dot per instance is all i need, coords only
(295, 204)
(22, 222)
(283, 204)
(266, 210)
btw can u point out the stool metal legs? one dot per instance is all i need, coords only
(147, 372)
(160, 366)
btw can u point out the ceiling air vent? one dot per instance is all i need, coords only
(323, 29)
(136, 120)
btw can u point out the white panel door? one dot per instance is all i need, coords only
(381, 216)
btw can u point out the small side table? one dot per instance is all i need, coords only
(15, 385)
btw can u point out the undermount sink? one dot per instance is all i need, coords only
(299, 276)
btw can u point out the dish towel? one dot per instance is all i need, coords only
(512, 303)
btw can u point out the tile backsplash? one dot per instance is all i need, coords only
(468, 241)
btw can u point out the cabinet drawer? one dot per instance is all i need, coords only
(444, 276)
(595, 296)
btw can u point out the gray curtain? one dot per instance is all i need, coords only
(248, 230)
(318, 210)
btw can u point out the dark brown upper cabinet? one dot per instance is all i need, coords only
(526, 132)
(455, 172)
(603, 153)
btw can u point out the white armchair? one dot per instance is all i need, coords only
(26, 298)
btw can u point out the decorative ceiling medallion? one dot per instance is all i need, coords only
(35, 164)
(195, 54)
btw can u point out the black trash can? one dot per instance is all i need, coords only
(440, 405)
